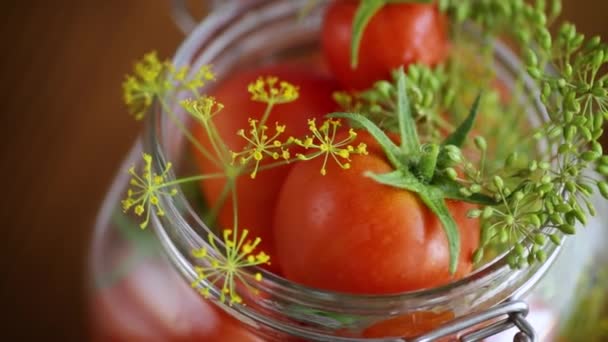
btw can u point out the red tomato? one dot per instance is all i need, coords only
(345, 232)
(257, 197)
(398, 34)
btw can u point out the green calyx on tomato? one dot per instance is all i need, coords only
(416, 166)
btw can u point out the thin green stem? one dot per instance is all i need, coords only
(482, 163)
(193, 179)
(219, 203)
(216, 142)
(235, 206)
(187, 133)
(428, 162)
(266, 114)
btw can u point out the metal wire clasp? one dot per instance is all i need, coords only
(499, 318)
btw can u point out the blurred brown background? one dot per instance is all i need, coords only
(64, 133)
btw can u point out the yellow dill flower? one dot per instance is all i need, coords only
(272, 91)
(260, 145)
(146, 189)
(140, 89)
(152, 78)
(228, 269)
(202, 108)
(178, 75)
(198, 80)
(323, 139)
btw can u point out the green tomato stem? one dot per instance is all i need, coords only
(428, 162)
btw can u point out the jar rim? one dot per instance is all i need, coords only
(190, 50)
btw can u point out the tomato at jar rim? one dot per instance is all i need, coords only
(257, 197)
(397, 35)
(345, 232)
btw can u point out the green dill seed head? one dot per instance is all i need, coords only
(474, 213)
(531, 258)
(480, 143)
(488, 211)
(451, 172)
(602, 186)
(539, 239)
(541, 256)
(520, 250)
(498, 182)
(475, 188)
(535, 220)
(567, 229)
(556, 239)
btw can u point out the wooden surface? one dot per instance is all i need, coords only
(64, 133)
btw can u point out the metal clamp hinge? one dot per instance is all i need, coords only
(498, 319)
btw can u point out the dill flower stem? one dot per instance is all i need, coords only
(214, 136)
(266, 114)
(186, 132)
(212, 215)
(482, 163)
(217, 142)
(193, 179)
(222, 153)
(235, 206)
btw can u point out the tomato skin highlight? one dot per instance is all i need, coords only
(257, 197)
(397, 35)
(345, 232)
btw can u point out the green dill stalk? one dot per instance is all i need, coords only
(549, 196)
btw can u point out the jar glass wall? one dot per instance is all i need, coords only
(140, 280)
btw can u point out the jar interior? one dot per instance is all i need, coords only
(263, 35)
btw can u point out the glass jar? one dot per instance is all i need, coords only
(140, 280)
